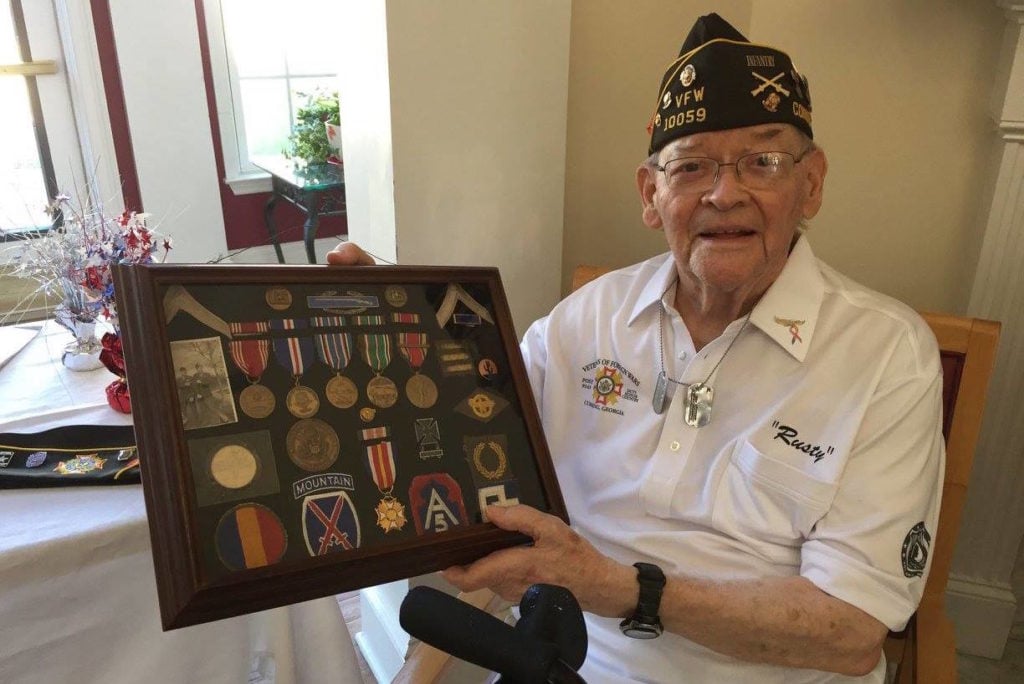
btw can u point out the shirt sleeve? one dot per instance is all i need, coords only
(872, 548)
(535, 356)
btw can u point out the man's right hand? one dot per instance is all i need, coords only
(349, 254)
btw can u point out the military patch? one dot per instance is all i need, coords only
(82, 463)
(250, 536)
(322, 482)
(915, 550)
(482, 405)
(455, 357)
(437, 504)
(488, 458)
(35, 459)
(329, 523)
(5, 458)
(428, 436)
(501, 494)
(609, 384)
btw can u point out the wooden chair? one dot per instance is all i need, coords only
(924, 652)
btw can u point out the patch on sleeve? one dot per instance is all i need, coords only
(915, 550)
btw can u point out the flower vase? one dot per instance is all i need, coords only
(83, 352)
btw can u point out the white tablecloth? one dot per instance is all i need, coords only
(77, 593)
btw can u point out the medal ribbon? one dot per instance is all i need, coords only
(249, 355)
(294, 353)
(414, 348)
(401, 317)
(368, 320)
(335, 349)
(382, 465)
(327, 321)
(380, 432)
(376, 351)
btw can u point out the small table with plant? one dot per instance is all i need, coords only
(316, 189)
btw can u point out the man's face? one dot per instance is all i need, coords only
(731, 238)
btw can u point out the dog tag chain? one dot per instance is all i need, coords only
(698, 398)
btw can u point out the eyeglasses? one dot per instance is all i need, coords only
(757, 170)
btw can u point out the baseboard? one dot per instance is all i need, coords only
(982, 616)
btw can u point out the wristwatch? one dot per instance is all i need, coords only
(644, 623)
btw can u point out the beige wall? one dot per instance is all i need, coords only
(897, 96)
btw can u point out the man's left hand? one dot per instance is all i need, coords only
(557, 556)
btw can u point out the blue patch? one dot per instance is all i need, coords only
(329, 523)
(36, 459)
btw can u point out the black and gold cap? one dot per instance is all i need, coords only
(721, 80)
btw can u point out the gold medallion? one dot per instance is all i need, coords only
(382, 391)
(367, 413)
(312, 445)
(482, 405)
(390, 514)
(233, 466)
(422, 391)
(278, 298)
(395, 296)
(256, 401)
(342, 392)
(302, 402)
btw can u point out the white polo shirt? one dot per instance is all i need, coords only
(824, 455)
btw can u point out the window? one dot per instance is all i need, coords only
(263, 54)
(36, 123)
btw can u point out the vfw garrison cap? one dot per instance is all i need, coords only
(721, 80)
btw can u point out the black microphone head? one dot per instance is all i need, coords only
(476, 636)
(553, 614)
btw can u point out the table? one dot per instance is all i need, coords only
(317, 190)
(78, 597)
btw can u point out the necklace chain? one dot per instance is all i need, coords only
(661, 348)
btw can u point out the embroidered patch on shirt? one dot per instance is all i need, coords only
(606, 383)
(915, 550)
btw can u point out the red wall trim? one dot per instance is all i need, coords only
(114, 91)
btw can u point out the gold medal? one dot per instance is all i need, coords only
(422, 391)
(367, 413)
(302, 402)
(395, 296)
(256, 401)
(390, 514)
(341, 392)
(382, 391)
(233, 466)
(278, 298)
(313, 445)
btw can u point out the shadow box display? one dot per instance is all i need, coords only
(308, 430)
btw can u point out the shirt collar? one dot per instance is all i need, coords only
(662, 279)
(787, 312)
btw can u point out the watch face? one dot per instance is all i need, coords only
(639, 630)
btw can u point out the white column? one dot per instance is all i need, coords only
(980, 597)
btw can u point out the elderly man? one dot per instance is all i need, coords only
(759, 508)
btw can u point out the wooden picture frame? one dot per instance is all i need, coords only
(277, 464)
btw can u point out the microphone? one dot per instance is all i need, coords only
(478, 637)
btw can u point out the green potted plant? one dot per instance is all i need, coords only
(316, 135)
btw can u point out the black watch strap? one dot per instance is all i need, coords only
(644, 623)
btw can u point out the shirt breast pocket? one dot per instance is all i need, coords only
(763, 498)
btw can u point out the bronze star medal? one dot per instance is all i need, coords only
(390, 514)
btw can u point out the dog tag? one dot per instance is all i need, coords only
(660, 392)
(697, 405)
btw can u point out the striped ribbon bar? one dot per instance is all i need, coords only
(376, 351)
(413, 347)
(327, 321)
(294, 353)
(381, 462)
(250, 355)
(334, 349)
(367, 320)
(408, 318)
(379, 432)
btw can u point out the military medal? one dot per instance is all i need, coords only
(251, 356)
(335, 350)
(395, 296)
(80, 464)
(278, 298)
(381, 462)
(233, 466)
(313, 445)
(420, 389)
(296, 354)
(376, 351)
(428, 436)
